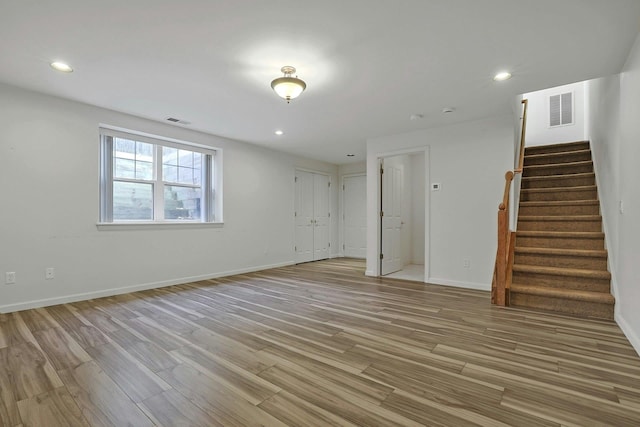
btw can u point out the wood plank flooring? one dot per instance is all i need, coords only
(316, 344)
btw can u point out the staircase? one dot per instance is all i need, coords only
(560, 261)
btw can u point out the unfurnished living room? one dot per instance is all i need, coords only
(329, 213)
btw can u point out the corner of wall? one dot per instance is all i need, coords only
(628, 331)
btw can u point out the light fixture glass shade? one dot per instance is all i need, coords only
(288, 87)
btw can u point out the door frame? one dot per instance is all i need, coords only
(343, 204)
(293, 206)
(427, 189)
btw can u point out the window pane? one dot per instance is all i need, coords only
(197, 165)
(132, 201)
(185, 158)
(124, 148)
(144, 170)
(144, 151)
(185, 175)
(124, 168)
(182, 202)
(169, 156)
(169, 173)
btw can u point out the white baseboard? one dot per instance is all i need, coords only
(628, 331)
(458, 284)
(8, 308)
(370, 273)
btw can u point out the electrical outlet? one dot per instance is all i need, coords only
(10, 277)
(467, 263)
(49, 273)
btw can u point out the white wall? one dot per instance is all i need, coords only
(469, 160)
(614, 130)
(49, 208)
(538, 130)
(352, 168)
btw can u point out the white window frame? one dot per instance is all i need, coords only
(211, 181)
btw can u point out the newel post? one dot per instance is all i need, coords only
(501, 261)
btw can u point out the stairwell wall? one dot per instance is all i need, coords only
(614, 131)
(538, 130)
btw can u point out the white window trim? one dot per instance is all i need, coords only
(211, 218)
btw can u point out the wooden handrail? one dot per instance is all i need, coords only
(522, 136)
(506, 238)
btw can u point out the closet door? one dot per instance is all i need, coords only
(304, 186)
(312, 216)
(321, 216)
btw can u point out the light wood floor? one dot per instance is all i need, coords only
(312, 345)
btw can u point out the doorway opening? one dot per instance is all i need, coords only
(354, 215)
(403, 213)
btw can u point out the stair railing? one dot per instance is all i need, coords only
(503, 270)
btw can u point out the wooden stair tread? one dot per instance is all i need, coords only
(566, 145)
(562, 234)
(562, 252)
(557, 189)
(556, 154)
(559, 165)
(590, 296)
(560, 271)
(588, 202)
(567, 176)
(559, 217)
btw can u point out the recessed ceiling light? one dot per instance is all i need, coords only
(448, 110)
(279, 132)
(350, 155)
(61, 66)
(502, 76)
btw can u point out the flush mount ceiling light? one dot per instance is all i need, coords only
(288, 87)
(61, 66)
(279, 132)
(502, 76)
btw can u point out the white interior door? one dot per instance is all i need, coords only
(391, 208)
(355, 216)
(312, 216)
(321, 216)
(304, 202)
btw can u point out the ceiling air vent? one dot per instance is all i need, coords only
(561, 109)
(174, 120)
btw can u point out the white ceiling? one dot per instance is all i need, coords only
(368, 64)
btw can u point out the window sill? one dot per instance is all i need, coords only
(155, 225)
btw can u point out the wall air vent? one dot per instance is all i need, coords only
(174, 120)
(561, 109)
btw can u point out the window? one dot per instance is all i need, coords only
(561, 109)
(148, 179)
